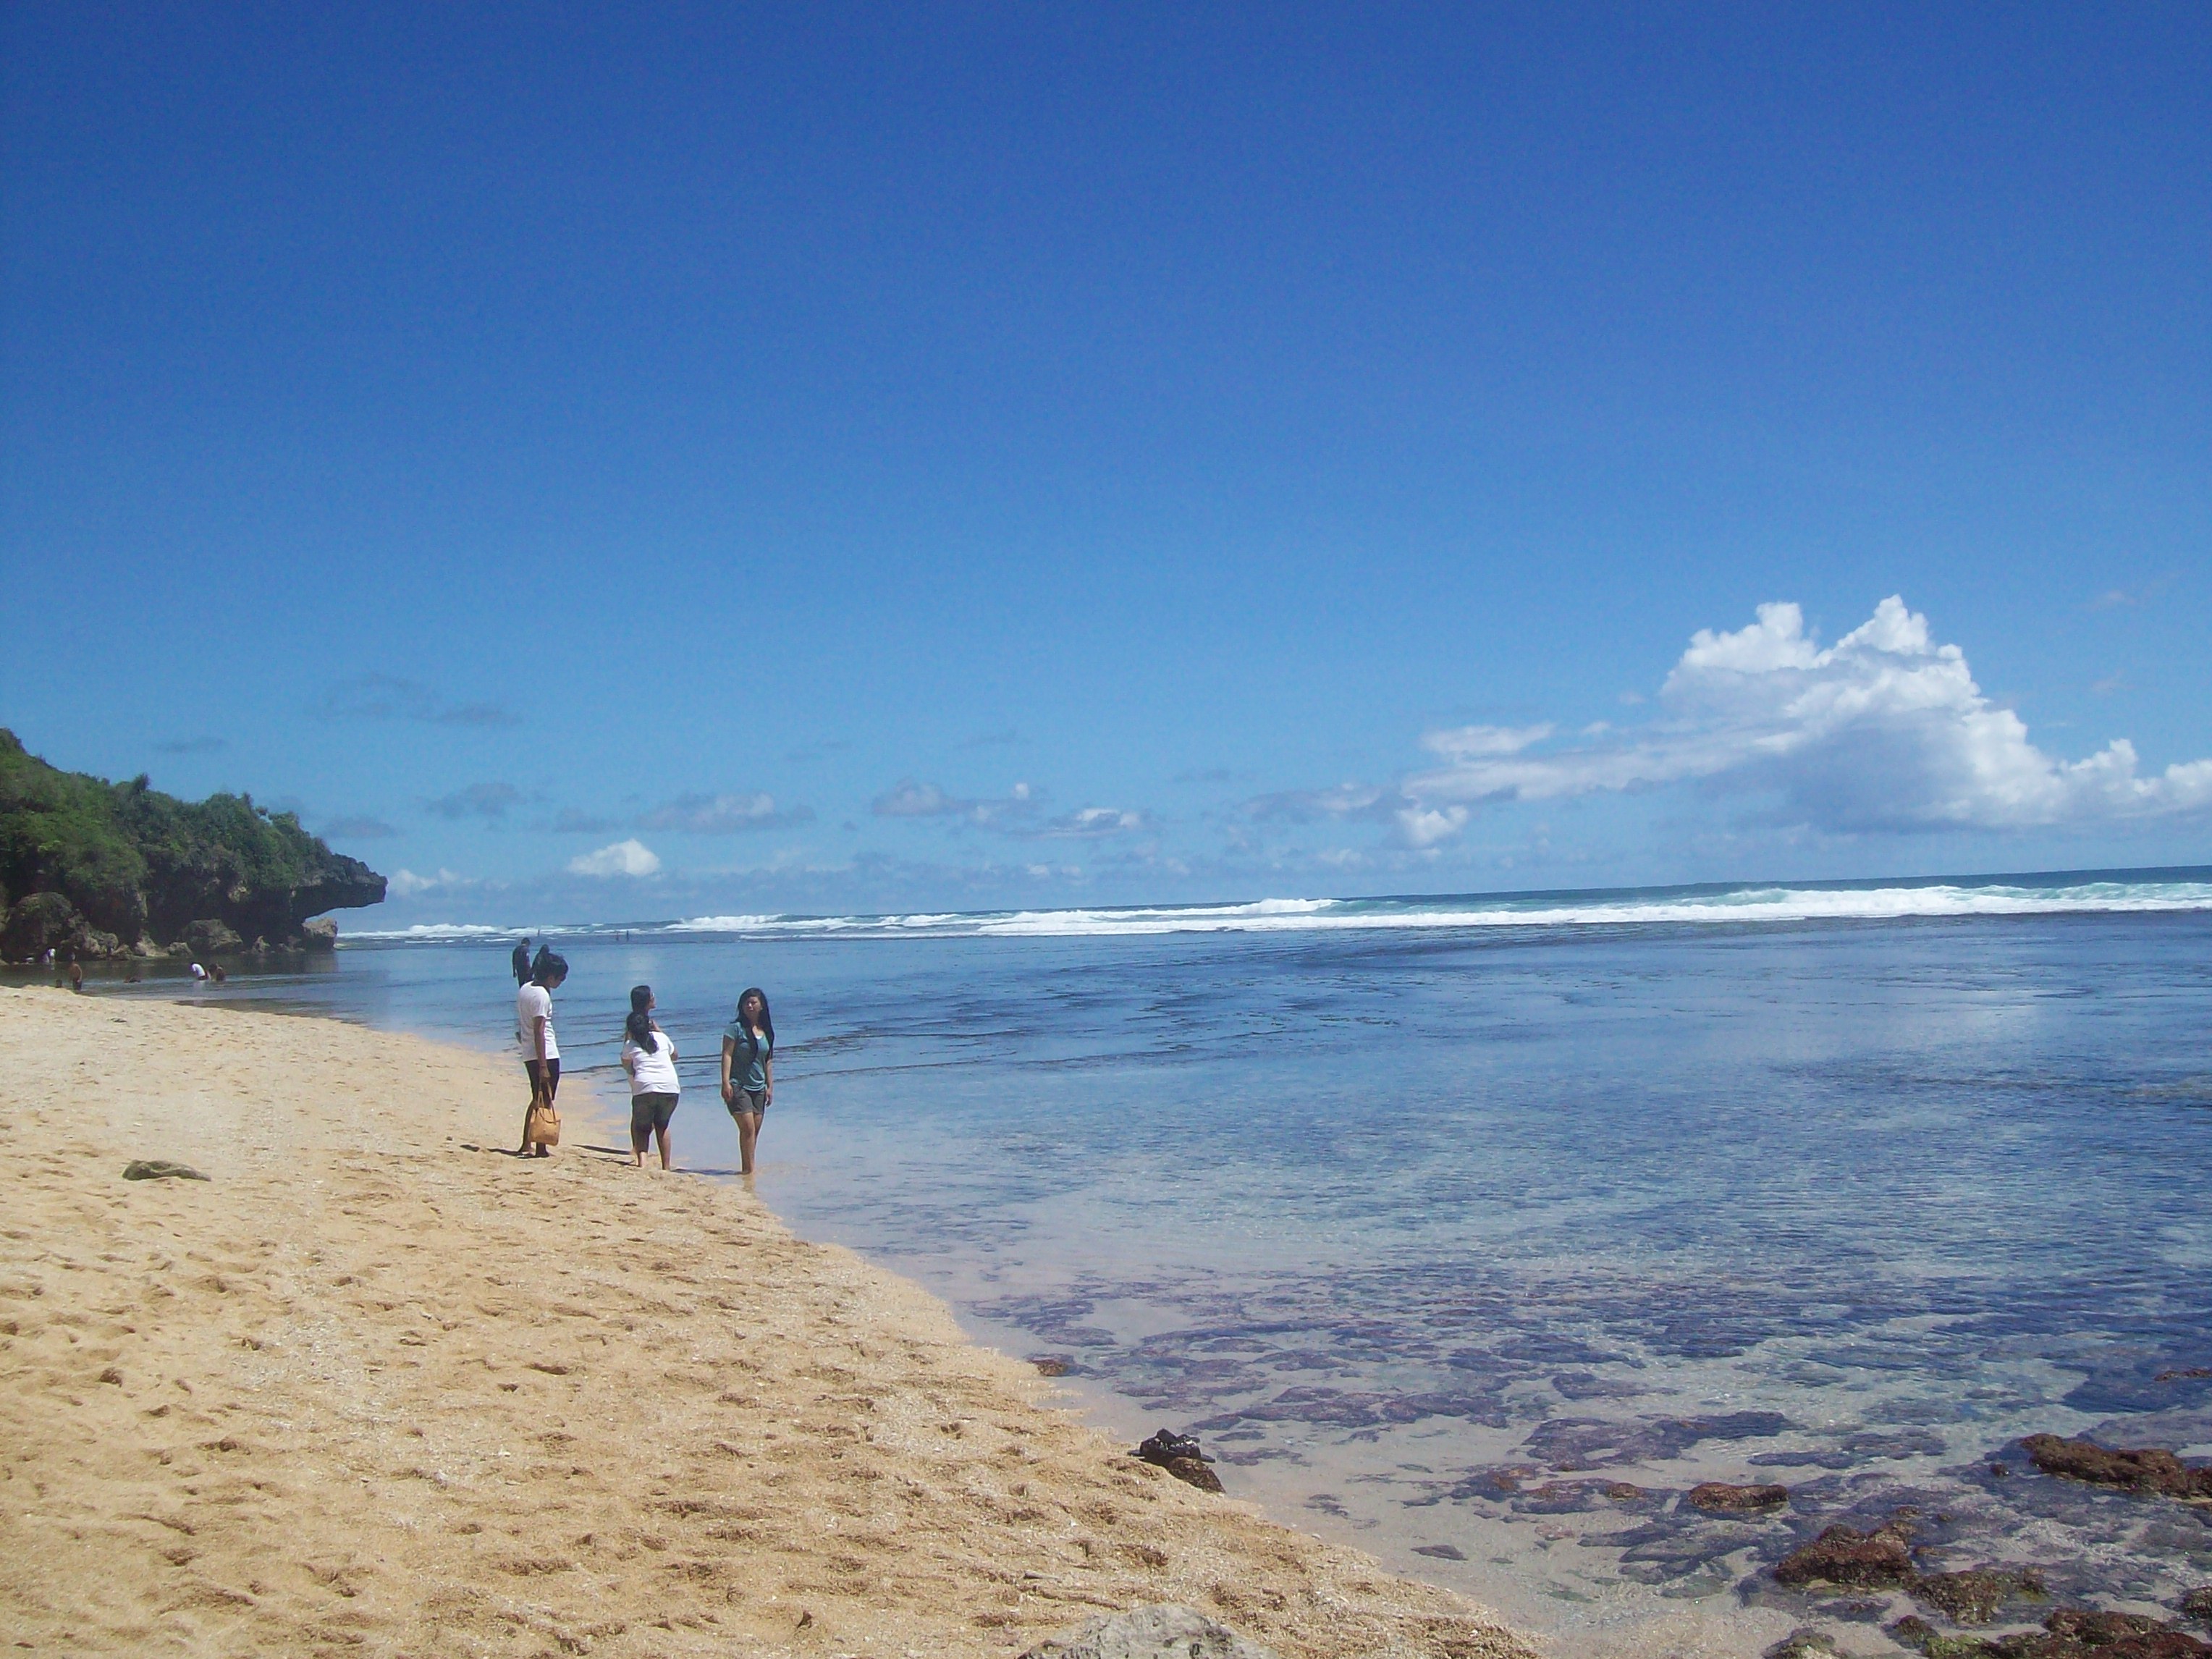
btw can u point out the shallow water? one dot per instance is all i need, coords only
(1478, 1242)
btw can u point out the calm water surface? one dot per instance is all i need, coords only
(1478, 1245)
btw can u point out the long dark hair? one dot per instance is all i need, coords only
(767, 1022)
(638, 1027)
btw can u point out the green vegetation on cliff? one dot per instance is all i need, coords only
(95, 866)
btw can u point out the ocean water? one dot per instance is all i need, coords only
(1475, 1230)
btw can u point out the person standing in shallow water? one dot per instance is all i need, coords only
(650, 1059)
(533, 1033)
(749, 1070)
(522, 961)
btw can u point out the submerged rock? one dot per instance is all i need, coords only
(1842, 1555)
(1582, 1497)
(1179, 1454)
(1673, 1547)
(1719, 1495)
(1167, 1630)
(160, 1168)
(2077, 1630)
(1911, 1631)
(1973, 1597)
(2069, 1633)
(2198, 1604)
(1803, 1643)
(2146, 1469)
(1573, 1443)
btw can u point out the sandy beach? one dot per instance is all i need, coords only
(376, 1387)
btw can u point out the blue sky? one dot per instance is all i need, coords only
(613, 462)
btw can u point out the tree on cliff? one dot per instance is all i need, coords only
(98, 867)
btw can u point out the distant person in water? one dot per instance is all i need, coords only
(534, 1032)
(650, 1059)
(522, 961)
(749, 1070)
(76, 974)
(199, 972)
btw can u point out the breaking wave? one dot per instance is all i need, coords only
(1740, 905)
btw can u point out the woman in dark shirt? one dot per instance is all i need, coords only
(749, 1070)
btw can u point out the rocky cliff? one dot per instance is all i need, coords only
(104, 868)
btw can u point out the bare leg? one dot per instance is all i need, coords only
(748, 1133)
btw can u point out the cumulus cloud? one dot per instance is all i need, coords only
(1418, 825)
(488, 801)
(405, 883)
(389, 697)
(1091, 823)
(1473, 742)
(623, 858)
(1885, 729)
(908, 798)
(722, 815)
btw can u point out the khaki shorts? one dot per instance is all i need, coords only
(751, 1100)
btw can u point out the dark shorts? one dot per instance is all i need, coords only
(751, 1100)
(649, 1112)
(552, 1077)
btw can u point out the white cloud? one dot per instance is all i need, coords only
(625, 858)
(1424, 826)
(1884, 730)
(1463, 743)
(1346, 800)
(910, 799)
(722, 815)
(1093, 821)
(405, 883)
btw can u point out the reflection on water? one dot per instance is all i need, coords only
(1478, 1248)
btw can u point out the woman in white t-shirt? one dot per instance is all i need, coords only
(650, 1059)
(533, 1035)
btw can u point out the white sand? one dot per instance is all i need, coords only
(377, 1388)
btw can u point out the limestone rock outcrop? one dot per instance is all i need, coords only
(90, 868)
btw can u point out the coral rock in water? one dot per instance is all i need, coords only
(2150, 1469)
(1843, 1556)
(1719, 1495)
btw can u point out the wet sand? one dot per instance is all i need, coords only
(378, 1387)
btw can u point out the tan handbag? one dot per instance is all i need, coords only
(543, 1127)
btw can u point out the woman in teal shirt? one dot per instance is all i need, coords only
(748, 1069)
